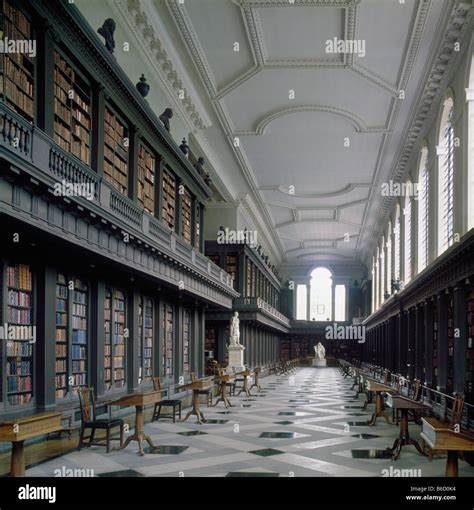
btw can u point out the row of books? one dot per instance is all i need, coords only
(113, 126)
(78, 366)
(19, 276)
(19, 316)
(19, 298)
(80, 297)
(61, 304)
(22, 348)
(61, 350)
(78, 309)
(119, 350)
(19, 77)
(79, 323)
(61, 319)
(119, 374)
(16, 367)
(64, 113)
(20, 400)
(79, 336)
(79, 379)
(61, 365)
(18, 19)
(61, 335)
(61, 291)
(78, 352)
(62, 64)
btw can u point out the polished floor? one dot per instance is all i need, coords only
(304, 424)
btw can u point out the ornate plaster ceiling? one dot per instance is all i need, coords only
(314, 162)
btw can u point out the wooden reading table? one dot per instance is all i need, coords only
(440, 437)
(139, 400)
(256, 383)
(20, 429)
(222, 380)
(377, 388)
(404, 404)
(196, 386)
(245, 388)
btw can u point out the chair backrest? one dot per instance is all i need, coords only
(458, 407)
(193, 377)
(156, 383)
(87, 403)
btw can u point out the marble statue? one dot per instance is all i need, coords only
(319, 351)
(234, 330)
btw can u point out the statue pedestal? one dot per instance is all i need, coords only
(319, 362)
(236, 357)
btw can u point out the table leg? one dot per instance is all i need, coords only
(196, 411)
(452, 464)
(139, 434)
(18, 458)
(378, 410)
(245, 387)
(223, 396)
(404, 438)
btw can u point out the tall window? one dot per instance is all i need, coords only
(301, 303)
(423, 210)
(388, 263)
(407, 220)
(321, 294)
(446, 178)
(373, 284)
(340, 303)
(377, 279)
(396, 235)
(382, 271)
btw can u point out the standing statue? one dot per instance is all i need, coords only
(319, 351)
(234, 330)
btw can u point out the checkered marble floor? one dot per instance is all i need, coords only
(304, 424)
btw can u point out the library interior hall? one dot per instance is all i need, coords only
(237, 238)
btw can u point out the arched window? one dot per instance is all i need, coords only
(423, 210)
(321, 294)
(396, 235)
(301, 303)
(388, 263)
(446, 178)
(340, 303)
(407, 240)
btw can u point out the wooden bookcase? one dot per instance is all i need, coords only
(61, 365)
(145, 340)
(186, 341)
(146, 179)
(20, 349)
(114, 341)
(116, 151)
(450, 367)
(17, 70)
(469, 387)
(72, 109)
(108, 340)
(79, 344)
(168, 340)
(169, 199)
(231, 267)
(186, 216)
(211, 339)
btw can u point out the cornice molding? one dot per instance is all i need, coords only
(284, 191)
(134, 16)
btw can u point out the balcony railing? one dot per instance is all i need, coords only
(252, 303)
(51, 165)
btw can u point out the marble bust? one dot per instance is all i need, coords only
(319, 351)
(235, 330)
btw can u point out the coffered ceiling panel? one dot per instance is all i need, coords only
(312, 27)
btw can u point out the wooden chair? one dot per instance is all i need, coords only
(173, 403)
(89, 421)
(207, 392)
(456, 418)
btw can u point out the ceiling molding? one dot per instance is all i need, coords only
(357, 123)
(461, 17)
(135, 18)
(296, 3)
(284, 191)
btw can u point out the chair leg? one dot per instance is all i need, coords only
(81, 438)
(174, 414)
(91, 437)
(153, 418)
(179, 408)
(108, 440)
(121, 434)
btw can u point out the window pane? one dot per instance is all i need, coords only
(340, 303)
(301, 302)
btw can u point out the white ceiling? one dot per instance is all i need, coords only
(319, 198)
